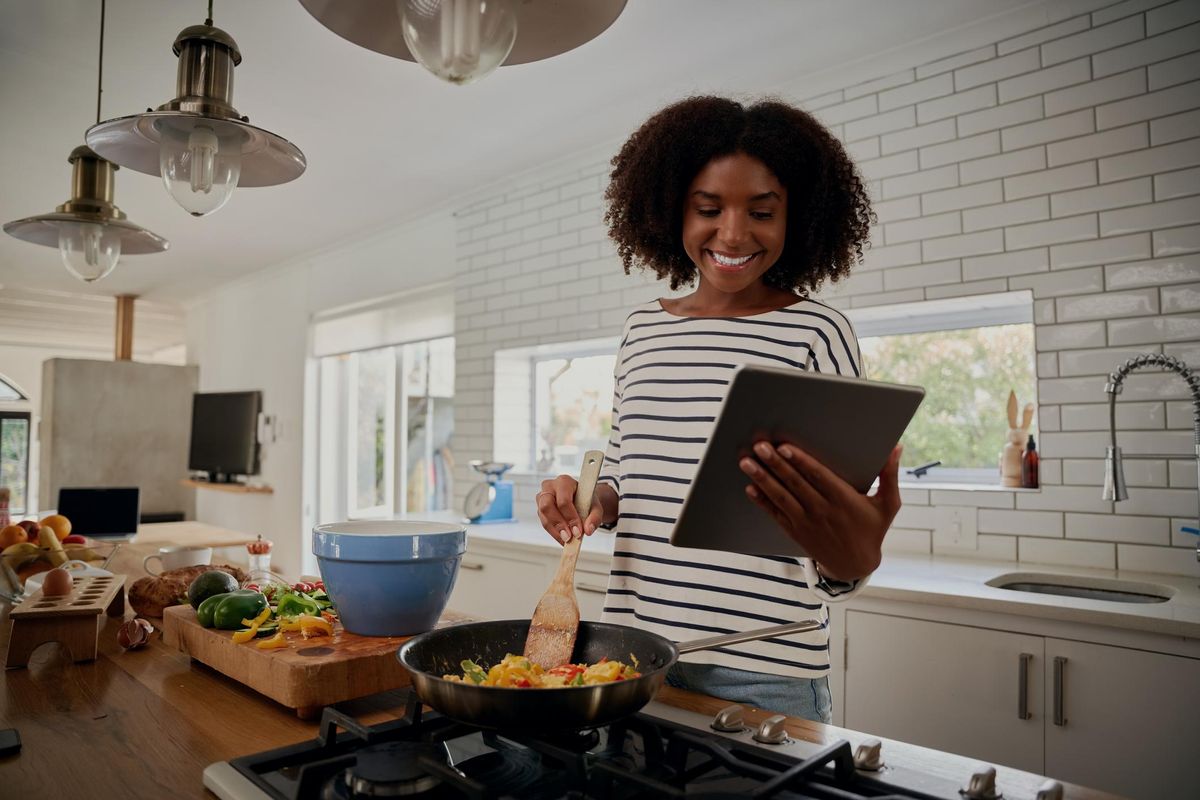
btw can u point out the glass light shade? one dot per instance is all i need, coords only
(199, 168)
(89, 250)
(459, 41)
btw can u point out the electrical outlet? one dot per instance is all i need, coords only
(954, 528)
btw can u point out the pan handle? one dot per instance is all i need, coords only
(749, 636)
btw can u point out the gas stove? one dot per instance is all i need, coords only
(662, 752)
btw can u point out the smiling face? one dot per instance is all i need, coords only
(734, 222)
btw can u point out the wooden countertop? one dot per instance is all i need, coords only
(146, 723)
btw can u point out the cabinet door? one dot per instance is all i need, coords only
(489, 587)
(1128, 720)
(950, 687)
(590, 588)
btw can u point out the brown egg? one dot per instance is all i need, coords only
(57, 583)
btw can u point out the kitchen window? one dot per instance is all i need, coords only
(968, 353)
(14, 458)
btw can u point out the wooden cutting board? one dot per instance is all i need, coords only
(310, 674)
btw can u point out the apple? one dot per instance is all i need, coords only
(31, 528)
(74, 539)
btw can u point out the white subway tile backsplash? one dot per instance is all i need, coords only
(1148, 106)
(1100, 251)
(1056, 31)
(1175, 241)
(1046, 181)
(1173, 269)
(1094, 416)
(1112, 528)
(985, 144)
(963, 289)
(894, 210)
(955, 104)
(1174, 128)
(1138, 472)
(927, 180)
(1046, 80)
(1161, 560)
(1182, 474)
(1066, 229)
(888, 166)
(975, 194)
(1104, 90)
(913, 93)
(863, 149)
(1075, 444)
(842, 112)
(994, 547)
(1174, 15)
(924, 275)
(1133, 303)
(904, 540)
(1065, 337)
(1047, 367)
(1125, 9)
(1005, 116)
(1179, 183)
(887, 298)
(1146, 51)
(1099, 555)
(1167, 214)
(997, 69)
(1099, 198)
(1024, 523)
(954, 62)
(1151, 160)
(1014, 163)
(1094, 40)
(1174, 328)
(1096, 362)
(1060, 283)
(951, 497)
(884, 257)
(1004, 214)
(1054, 129)
(879, 84)
(1097, 145)
(1174, 72)
(968, 244)
(896, 120)
(1088, 389)
(1180, 298)
(1017, 262)
(1163, 502)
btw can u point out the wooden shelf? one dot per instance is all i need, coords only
(236, 488)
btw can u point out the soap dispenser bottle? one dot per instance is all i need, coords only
(1029, 465)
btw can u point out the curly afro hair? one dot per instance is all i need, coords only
(829, 214)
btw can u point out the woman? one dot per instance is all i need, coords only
(755, 206)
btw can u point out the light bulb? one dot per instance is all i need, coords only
(89, 250)
(199, 168)
(459, 41)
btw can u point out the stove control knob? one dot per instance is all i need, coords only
(771, 731)
(729, 720)
(1050, 790)
(982, 785)
(867, 756)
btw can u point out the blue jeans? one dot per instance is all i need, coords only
(808, 698)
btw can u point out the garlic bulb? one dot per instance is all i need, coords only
(134, 633)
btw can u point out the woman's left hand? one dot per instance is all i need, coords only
(838, 526)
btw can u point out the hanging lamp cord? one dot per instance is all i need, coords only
(208, 21)
(100, 70)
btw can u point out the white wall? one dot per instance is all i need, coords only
(1061, 158)
(253, 334)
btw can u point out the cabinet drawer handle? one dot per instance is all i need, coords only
(1023, 686)
(587, 587)
(1060, 666)
(471, 566)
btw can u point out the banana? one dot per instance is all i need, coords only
(18, 555)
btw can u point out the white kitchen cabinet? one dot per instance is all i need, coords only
(590, 588)
(1115, 718)
(492, 587)
(1106, 698)
(950, 687)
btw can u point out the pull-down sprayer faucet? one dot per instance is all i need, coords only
(1114, 478)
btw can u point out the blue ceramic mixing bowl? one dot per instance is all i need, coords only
(389, 577)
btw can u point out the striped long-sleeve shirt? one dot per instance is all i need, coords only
(671, 375)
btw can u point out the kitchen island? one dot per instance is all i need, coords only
(146, 723)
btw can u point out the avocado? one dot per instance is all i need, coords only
(208, 584)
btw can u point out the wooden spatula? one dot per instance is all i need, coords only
(555, 621)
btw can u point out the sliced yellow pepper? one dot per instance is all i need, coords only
(274, 643)
(262, 617)
(244, 636)
(315, 626)
(289, 623)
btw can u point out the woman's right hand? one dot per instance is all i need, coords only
(556, 510)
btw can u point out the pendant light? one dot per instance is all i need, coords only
(461, 41)
(90, 232)
(198, 142)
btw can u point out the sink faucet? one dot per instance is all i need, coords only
(1114, 477)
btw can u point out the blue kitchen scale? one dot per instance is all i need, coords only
(491, 501)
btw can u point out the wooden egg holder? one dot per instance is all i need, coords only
(74, 620)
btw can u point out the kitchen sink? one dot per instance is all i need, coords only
(1113, 591)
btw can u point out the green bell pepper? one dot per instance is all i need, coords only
(233, 607)
(298, 603)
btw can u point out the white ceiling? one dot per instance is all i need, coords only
(385, 141)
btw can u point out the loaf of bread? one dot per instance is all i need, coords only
(149, 596)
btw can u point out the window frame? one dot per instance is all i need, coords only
(27, 416)
(585, 349)
(948, 314)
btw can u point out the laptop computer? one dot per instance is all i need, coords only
(102, 512)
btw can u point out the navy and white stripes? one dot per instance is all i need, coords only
(671, 375)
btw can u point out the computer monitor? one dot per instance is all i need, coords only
(101, 511)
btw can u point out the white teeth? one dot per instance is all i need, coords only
(730, 262)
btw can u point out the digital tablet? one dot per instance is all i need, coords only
(848, 424)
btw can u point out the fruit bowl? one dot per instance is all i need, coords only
(28, 559)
